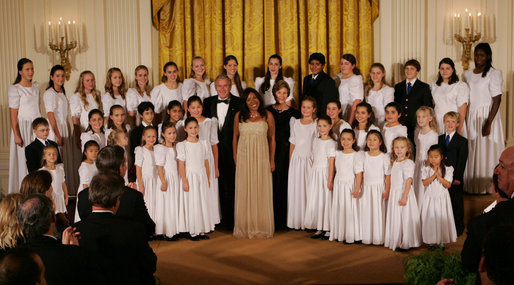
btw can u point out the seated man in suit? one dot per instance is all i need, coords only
(22, 266)
(34, 151)
(112, 159)
(411, 94)
(121, 243)
(319, 85)
(65, 264)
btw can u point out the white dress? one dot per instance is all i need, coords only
(345, 222)
(162, 96)
(86, 173)
(134, 99)
(233, 89)
(92, 136)
(300, 167)
(145, 159)
(166, 219)
(80, 111)
(438, 224)
(58, 178)
(192, 87)
(372, 206)
(26, 100)
(350, 89)
(360, 136)
(108, 102)
(195, 207)
(390, 133)
(449, 98)
(484, 152)
(319, 197)
(403, 229)
(268, 97)
(378, 100)
(423, 143)
(209, 133)
(338, 128)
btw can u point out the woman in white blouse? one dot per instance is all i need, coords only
(170, 89)
(379, 94)
(230, 65)
(351, 90)
(265, 84)
(139, 94)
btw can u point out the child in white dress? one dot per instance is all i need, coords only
(319, 191)
(302, 135)
(95, 129)
(169, 90)
(274, 74)
(193, 162)
(85, 99)
(116, 121)
(375, 184)
(378, 94)
(115, 91)
(60, 192)
(87, 170)
(335, 113)
(138, 94)
(351, 89)
(174, 114)
(344, 219)
(120, 138)
(197, 83)
(167, 198)
(438, 224)
(393, 129)
(230, 64)
(147, 178)
(363, 123)
(403, 229)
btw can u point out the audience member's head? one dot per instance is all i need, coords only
(10, 231)
(22, 266)
(105, 190)
(111, 159)
(35, 215)
(37, 182)
(497, 263)
(505, 171)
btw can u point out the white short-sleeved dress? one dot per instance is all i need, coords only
(167, 220)
(378, 100)
(108, 102)
(86, 173)
(484, 152)
(268, 97)
(162, 96)
(350, 89)
(233, 89)
(192, 87)
(300, 167)
(449, 98)
(58, 178)
(360, 136)
(438, 224)
(390, 133)
(403, 229)
(372, 207)
(338, 127)
(145, 159)
(345, 221)
(79, 110)
(209, 133)
(92, 136)
(26, 100)
(319, 197)
(195, 206)
(423, 143)
(133, 100)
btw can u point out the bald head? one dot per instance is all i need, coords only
(505, 171)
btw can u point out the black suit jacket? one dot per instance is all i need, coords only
(420, 95)
(456, 154)
(66, 264)
(132, 206)
(34, 153)
(323, 89)
(123, 246)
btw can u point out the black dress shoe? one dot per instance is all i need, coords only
(195, 238)
(324, 237)
(173, 238)
(204, 237)
(317, 236)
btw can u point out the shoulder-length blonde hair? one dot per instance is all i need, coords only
(82, 91)
(408, 155)
(108, 83)
(147, 88)
(432, 124)
(192, 74)
(10, 231)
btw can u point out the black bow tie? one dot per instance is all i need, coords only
(223, 101)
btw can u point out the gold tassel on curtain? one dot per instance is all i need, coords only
(253, 30)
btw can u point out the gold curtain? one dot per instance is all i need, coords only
(252, 30)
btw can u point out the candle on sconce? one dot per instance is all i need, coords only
(68, 33)
(59, 30)
(75, 34)
(465, 13)
(470, 19)
(479, 22)
(49, 31)
(458, 24)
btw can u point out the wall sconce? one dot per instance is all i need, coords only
(472, 24)
(62, 38)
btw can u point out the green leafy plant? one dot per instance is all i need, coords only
(432, 266)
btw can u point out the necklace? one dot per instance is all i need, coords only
(254, 116)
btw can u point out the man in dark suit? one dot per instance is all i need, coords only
(65, 264)
(411, 94)
(502, 213)
(319, 85)
(132, 205)
(224, 107)
(34, 151)
(456, 156)
(120, 242)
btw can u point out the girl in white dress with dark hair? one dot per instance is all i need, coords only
(334, 111)
(379, 94)
(116, 121)
(363, 123)
(450, 94)
(174, 114)
(303, 132)
(87, 170)
(274, 73)
(147, 178)
(485, 131)
(403, 229)
(23, 108)
(230, 64)
(115, 91)
(170, 89)
(95, 129)
(393, 129)
(344, 220)
(197, 83)
(140, 93)
(351, 89)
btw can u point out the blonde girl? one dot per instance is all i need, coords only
(378, 93)
(85, 99)
(197, 83)
(60, 191)
(147, 178)
(115, 91)
(138, 94)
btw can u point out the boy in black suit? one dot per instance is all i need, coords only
(34, 151)
(146, 111)
(318, 84)
(456, 156)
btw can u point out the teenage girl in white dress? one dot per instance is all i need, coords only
(197, 83)
(334, 111)
(115, 91)
(351, 89)
(363, 123)
(170, 89)
(87, 169)
(265, 84)
(230, 64)
(393, 129)
(138, 94)
(378, 93)
(95, 129)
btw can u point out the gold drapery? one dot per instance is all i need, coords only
(252, 30)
